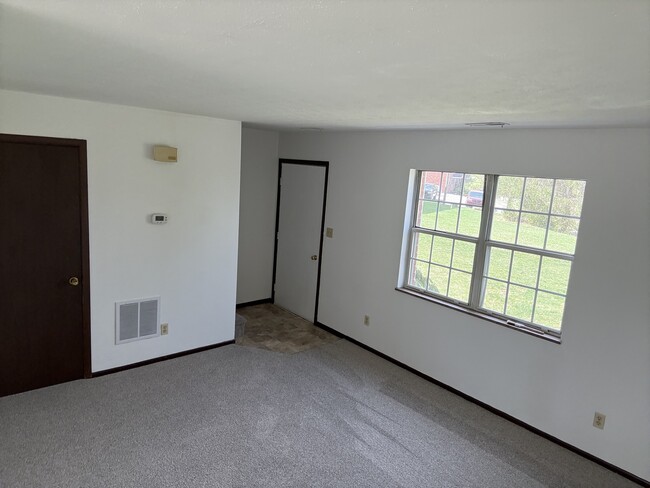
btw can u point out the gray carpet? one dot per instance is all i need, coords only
(333, 416)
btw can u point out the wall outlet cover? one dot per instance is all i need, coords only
(599, 420)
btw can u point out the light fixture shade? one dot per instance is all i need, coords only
(165, 154)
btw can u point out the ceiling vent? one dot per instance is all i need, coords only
(487, 124)
(137, 319)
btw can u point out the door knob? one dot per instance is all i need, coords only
(314, 257)
(74, 281)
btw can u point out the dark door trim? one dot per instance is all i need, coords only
(85, 252)
(303, 162)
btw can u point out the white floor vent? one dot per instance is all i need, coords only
(137, 319)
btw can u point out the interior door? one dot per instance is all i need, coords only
(44, 310)
(299, 237)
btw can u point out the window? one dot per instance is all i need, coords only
(498, 246)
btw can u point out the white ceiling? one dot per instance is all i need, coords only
(341, 64)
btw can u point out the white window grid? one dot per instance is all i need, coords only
(431, 263)
(479, 274)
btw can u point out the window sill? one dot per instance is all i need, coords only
(480, 315)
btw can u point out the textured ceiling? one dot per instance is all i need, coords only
(341, 64)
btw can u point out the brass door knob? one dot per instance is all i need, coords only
(314, 257)
(74, 281)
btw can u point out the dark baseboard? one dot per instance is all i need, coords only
(255, 302)
(535, 430)
(161, 358)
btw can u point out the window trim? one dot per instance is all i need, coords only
(478, 274)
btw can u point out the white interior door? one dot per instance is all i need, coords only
(302, 188)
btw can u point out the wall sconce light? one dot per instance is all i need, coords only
(165, 154)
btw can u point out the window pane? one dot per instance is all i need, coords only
(537, 195)
(520, 302)
(452, 184)
(524, 268)
(418, 274)
(562, 234)
(554, 275)
(441, 250)
(473, 182)
(568, 196)
(494, 296)
(459, 285)
(448, 218)
(464, 255)
(532, 230)
(549, 310)
(473, 190)
(438, 279)
(421, 246)
(470, 221)
(509, 190)
(498, 263)
(430, 185)
(504, 226)
(426, 216)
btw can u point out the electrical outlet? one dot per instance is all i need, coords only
(366, 320)
(164, 329)
(599, 420)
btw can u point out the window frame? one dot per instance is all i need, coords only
(479, 271)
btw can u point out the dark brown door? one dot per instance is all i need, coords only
(44, 336)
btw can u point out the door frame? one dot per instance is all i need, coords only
(303, 162)
(81, 147)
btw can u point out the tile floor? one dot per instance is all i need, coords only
(271, 327)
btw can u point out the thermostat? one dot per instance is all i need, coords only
(158, 218)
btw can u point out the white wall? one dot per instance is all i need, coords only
(257, 206)
(603, 362)
(190, 261)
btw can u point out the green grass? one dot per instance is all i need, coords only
(459, 257)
